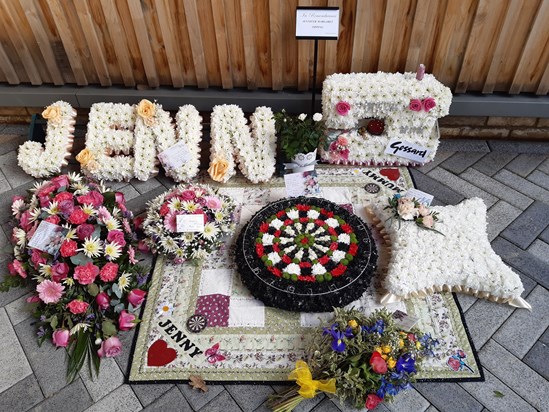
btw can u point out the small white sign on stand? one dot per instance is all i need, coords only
(317, 23)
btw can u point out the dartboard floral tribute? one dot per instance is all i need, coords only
(161, 224)
(74, 242)
(306, 254)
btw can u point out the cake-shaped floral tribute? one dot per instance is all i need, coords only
(75, 244)
(169, 232)
(306, 254)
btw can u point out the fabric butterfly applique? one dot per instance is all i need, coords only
(457, 363)
(213, 355)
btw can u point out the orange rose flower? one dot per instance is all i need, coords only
(52, 114)
(218, 169)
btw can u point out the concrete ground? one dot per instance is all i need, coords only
(513, 180)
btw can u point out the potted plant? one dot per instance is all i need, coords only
(299, 138)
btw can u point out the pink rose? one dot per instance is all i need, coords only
(37, 258)
(116, 236)
(187, 195)
(86, 274)
(103, 300)
(84, 230)
(110, 347)
(66, 207)
(59, 272)
(78, 216)
(33, 299)
(25, 222)
(46, 190)
(68, 248)
(428, 221)
(92, 198)
(415, 105)
(77, 306)
(342, 108)
(120, 201)
(60, 181)
(143, 247)
(372, 400)
(136, 297)
(378, 363)
(428, 104)
(109, 272)
(60, 338)
(213, 202)
(53, 219)
(126, 320)
(62, 197)
(16, 268)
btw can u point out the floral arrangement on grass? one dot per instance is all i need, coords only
(88, 280)
(362, 359)
(298, 134)
(161, 227)
(410, 209)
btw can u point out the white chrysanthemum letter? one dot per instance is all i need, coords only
(255, 152)
(40, 161)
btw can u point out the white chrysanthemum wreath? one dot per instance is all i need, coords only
(45, 161)
(147, 129)
(255, 152)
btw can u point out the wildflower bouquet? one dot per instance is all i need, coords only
(364, 359)
(73, 238)
(405, 208)
(299, 134)
(161, 223)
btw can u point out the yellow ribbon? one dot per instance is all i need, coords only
(309, 386)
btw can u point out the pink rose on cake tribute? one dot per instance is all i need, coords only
(342, 108)
(86, 274)
(77, 306)
(428, 104)
(415, 105)
(110, 347)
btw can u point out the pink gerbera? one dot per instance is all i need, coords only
(170, 221)
(49, 291)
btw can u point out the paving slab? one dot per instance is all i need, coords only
(518, 146)
(221, 403)
(437, 189)
(196, 398)
(4, 185)
(249, 397)
(466, 301)
(544, 167)
(123, 360)
(408, 400)
(22, 396)
(461, 161)
(121, 399)
(448, 397)
(129, 192)
(485, 393)
(540, 249)
(148, 393)
(14, 293)
(499, 216)
(47, 363)
(539, 178)
(545, 337)
(526, 228)
(512, 372)
(522, 185)
(172, 400)
(326, 406)
(545, 235)
(19, 309)
(144, 187)
(110, 377)
(462, 186)
(493, 162)
(484, 318)
(523, 328)
(496, 188)
(15, 365)
(463, 145)
(11, 142)
(73, 397)
(537, 357)
(13, 173)
(348, 407)
(522, 260)
(524, 164)
(138, 205)
(440, 157)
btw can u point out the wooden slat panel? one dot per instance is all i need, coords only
(543, 86)
(223, 47)
(42, 39)
(331, 46)
(346, 31)
(262, 42)
(141, 32)
(397, 27)
(360, 37)
(534, 56)
(291, 44)
(114, 26)
(136, 61)
(207, 31)
(170, 44)
(195, 37)
(248, 36)
(96, 49)
(422, 37)
(277, 39)
(7, 68)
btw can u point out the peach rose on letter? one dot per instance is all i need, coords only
(52, 113)
(218, 169)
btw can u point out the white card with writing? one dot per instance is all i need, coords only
(48, 237)
(302, 184)
(175, 156)
(420, 196)
(403, 320)
(190, 223)
(408, 150)
(321, 23)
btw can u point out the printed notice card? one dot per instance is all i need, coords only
(317, 23)
(404, 320)
(302, 184)
(48, 237)
(420, 196)
(175, 156)
(190, 223)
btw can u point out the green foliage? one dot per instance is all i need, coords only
(296, 135)
(11, 282)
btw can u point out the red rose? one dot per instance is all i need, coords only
(59, 272)
(92, 198)
(372, 400)
(286, 259)
(109, 272)
(68, 248)
(84, 230)
(378, 363)
(280, 214)
(60, 197)
(77, 306)
(46, 190)
(86, 274)
(53, 219)
(78, 216)
(164, 209)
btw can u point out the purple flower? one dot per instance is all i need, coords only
(338, 344)
(378, 327)
(406, 363)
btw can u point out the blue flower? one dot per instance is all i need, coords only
(406, 363)
(397, 196)
(338, 344)
(387, 388)
(428, 344)
(378, 327)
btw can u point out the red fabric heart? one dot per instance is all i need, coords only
(391, 174)
(159, 354)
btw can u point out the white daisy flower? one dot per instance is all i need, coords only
(89, 210)
(113, 250)
(175, 204)
(45, 270)
(20, 235)
(190, 207)
(112, 224)
(210, 230)
(169, 244)
(71, 232)
(199, 254)
(219, 216)
(34, 214)
(124, 281)
(165, 308)
(53, 209)
(91, 247)
(17, 206)
(68, 282)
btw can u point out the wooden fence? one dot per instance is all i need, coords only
(470, 45)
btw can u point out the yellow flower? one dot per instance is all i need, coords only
(52, 113)
(418, 344)
(218, 169)
(400, 343)
(85, 157)
(384, 357)
(146, 109)
(391, 363)
(386, 349)
(353, 324)
(378, 349)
